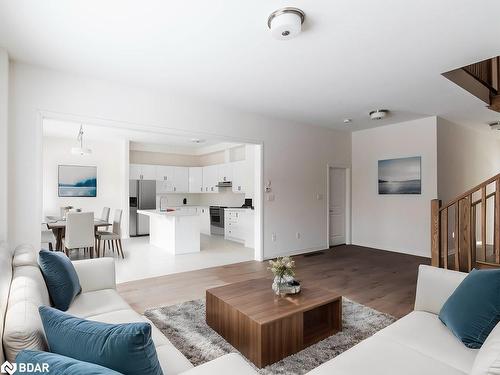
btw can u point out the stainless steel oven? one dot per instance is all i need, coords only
(217, 220)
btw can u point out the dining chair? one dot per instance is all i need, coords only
(111, 238)
(105, 214)
(79, 232)
(47, 236)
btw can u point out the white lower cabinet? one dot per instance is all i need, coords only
(204, 215)
(238, 226)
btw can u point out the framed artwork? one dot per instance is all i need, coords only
(77, 181)
(400, 176)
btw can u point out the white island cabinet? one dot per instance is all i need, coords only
(176, 232)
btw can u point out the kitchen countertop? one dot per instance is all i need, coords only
(165, 213)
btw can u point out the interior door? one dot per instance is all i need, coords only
(337, 206)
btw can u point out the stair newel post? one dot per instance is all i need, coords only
(435, 232)
(496, 222)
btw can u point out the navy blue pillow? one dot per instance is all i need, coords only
(61, 278)
(31, 360)
(473, 310)
(126, 348)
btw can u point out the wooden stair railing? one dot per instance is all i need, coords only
(460, 250)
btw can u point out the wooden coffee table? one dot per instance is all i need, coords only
(266, 328)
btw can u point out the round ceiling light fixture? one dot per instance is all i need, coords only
(495, 125)
(347, 120)
(378, 114)
(286, 23)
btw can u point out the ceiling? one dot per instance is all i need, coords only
(353, 55)
(140, 141)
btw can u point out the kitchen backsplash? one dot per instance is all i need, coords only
(222, 198)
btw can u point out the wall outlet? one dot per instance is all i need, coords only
(270, 197)
(273, 237)
(319, 197)
(297, 235)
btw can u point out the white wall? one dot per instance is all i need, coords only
(4, 91)
(294, 155)
(109, 159)
(393, 222)
(466, 158)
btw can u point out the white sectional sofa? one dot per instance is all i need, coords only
(23, 290)
(417, 344)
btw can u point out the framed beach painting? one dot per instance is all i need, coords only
(400, 176)
(77, 181)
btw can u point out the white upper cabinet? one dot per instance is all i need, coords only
(181, 179)
(210, 179)
(225, 172)
(240, 176)
(164, 173)
(196, 180)
(142, 172)
(135, 172)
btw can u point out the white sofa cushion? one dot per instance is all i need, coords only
(25, 255)
(379, 355)
(172, 361)
(97, 302)
(130, 316)
(227, 364)
(434, 287)
(23, 327)
(488, 358)
(424, 332)
(5, 279)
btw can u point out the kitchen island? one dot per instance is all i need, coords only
(178, 232)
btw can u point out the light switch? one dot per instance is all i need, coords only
(319, 197)
(270, 197)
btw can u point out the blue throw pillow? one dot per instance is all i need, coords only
(33, 362)
(473, 309)
(61, 278)
(126, 348)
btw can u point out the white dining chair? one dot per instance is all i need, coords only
(47, 237)
(80, 233)
(105, 214)
(112, 238)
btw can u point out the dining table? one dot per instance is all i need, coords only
(59, 226)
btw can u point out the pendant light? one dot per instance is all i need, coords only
(80, 150)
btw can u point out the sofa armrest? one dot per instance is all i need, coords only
(434, 286)
(96, 274)
(227, 364)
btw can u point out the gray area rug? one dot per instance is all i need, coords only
(184, 325)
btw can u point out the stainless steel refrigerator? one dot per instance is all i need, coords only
(142, 197)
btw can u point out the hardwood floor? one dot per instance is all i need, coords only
(383, 280)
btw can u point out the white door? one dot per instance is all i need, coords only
(337, 207)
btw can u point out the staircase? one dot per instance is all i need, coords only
(465, 232)
(481, 79)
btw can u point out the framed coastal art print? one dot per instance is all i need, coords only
(77, 181)
(400, 176)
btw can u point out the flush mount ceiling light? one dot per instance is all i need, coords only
(495, 125)
(347, 120)
(80, 150)
(286, 23)
(378, 114)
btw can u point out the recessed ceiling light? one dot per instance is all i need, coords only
(347, 120)
(495, 125)
(197, 140)
(286, 23)
(378, 114)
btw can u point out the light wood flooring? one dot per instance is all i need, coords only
(383, 280)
